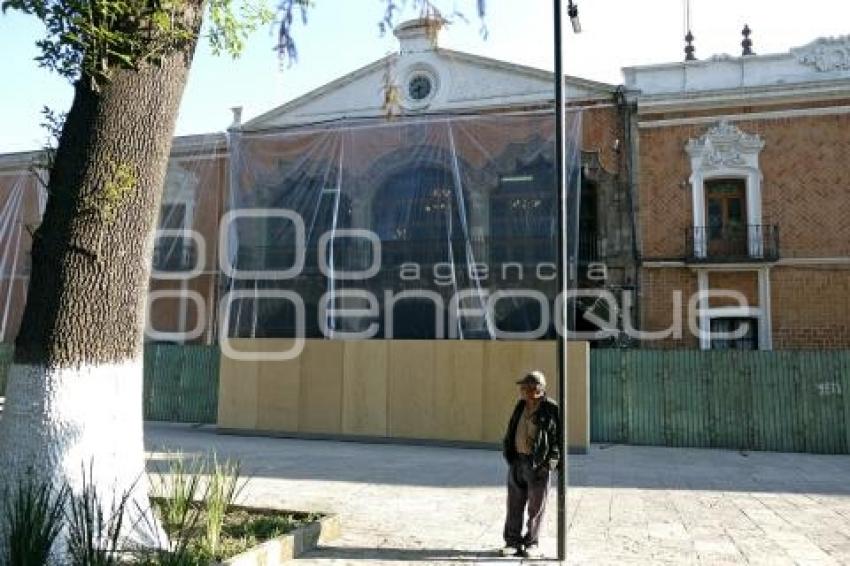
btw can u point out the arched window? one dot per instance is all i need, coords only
(523, 214)
(270, 244)
(417, 216)
(415, 205)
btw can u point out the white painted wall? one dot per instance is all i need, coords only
(824, 59)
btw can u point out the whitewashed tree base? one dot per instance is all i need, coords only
(58, 422)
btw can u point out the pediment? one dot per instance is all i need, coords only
(461, 82)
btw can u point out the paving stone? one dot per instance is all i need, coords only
(626, 504)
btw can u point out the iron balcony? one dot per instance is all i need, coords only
(732, 244)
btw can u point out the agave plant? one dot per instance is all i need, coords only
(95, 531)
(34, 518)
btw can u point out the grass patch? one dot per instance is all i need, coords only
(241, 530)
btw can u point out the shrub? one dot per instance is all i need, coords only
(223, 488)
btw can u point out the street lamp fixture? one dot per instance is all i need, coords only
(572, 12)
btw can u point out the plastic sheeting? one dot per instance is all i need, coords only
(24, 200)
(189, 200)
(428, 228)
(184, 271)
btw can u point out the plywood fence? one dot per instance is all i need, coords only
(449, 390)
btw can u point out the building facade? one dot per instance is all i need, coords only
(729, 176)
(744, 185)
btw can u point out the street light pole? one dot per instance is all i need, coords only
(563, 258)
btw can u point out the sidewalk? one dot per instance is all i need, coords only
(627, 505)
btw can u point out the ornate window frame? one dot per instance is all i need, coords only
(761, 312)
(725, 151)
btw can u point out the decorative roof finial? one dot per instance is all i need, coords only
(689, 47)
(747, 44)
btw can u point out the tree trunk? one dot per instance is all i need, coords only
(74, 397)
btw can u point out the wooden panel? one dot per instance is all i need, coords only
(459, 372)
(578, 395)
(320, 409)
(501, 369)
(364, 397)
(844, 370)
(278, 391)
(505, 363)
(788, 401)
(237, 399)
(412, 389)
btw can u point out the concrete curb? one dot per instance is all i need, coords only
(289, 546)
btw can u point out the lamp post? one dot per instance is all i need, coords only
(563, 256)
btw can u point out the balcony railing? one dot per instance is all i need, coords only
(727, 244)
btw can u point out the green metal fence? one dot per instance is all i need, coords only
(6, 352)
(783, 401)
(181, 383)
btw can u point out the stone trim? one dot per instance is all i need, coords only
(726, 152)
(826, 53)
(772, 115)
(290, 546)
(762, 312)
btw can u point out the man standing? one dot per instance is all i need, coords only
(532, 449)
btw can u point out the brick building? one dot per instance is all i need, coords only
(743, 183)
(725, 174)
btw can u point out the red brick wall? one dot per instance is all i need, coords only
(811, 307)
(601, 128)
(657, 286)
(745, 282)
(806, 188)
(664, 196)
(805, 191)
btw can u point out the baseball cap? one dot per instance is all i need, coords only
(533, 378)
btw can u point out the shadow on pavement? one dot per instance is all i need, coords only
(605, 466)
(371, 555)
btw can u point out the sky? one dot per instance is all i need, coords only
(342, 35)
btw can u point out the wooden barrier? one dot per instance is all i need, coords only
(448, 390)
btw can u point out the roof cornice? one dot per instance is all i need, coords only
(822, 91)
(605, 90)
(19, 160)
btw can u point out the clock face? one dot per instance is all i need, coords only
(419, 87)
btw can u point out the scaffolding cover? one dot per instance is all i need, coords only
(426, 228)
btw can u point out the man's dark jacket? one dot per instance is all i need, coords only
(546, 447)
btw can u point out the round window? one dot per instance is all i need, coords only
(419, 88)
